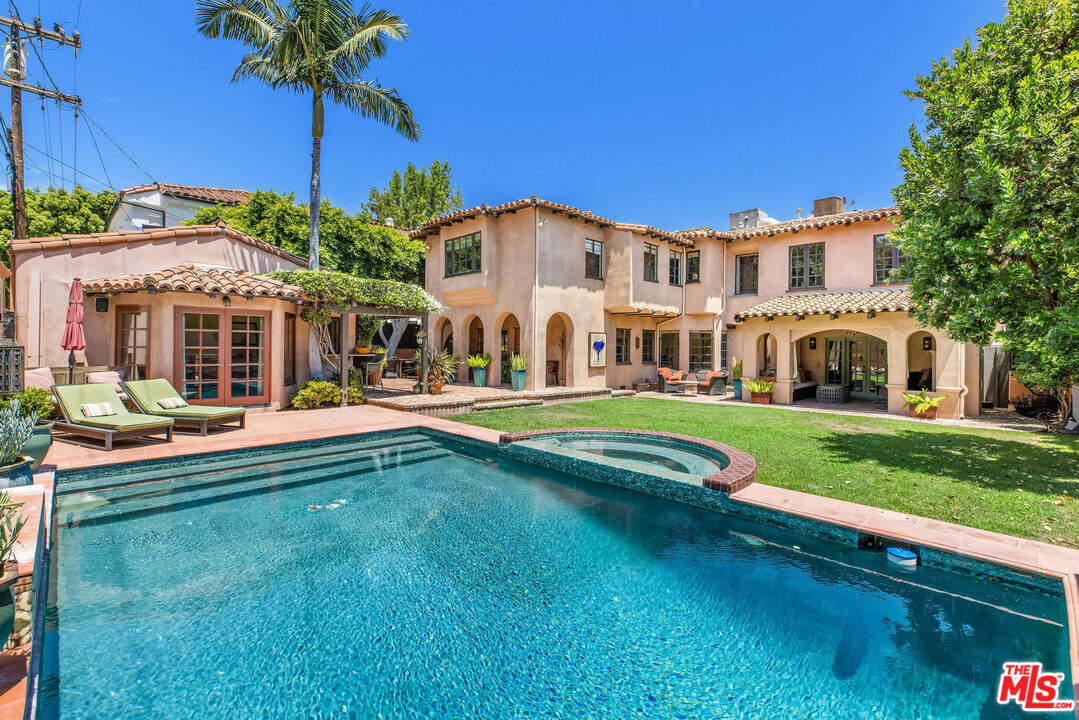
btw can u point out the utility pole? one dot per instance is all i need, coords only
(17, 73)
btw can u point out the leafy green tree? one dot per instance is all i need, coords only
(57, 212)
(990, 194)
(350, 244)
(415, 197)
(321, 47)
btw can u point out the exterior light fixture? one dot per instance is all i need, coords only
(927, 342)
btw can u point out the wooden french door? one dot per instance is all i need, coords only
(223, 356)
(860, 363)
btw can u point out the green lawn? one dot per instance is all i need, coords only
(1016, 483)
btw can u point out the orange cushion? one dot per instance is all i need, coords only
(675, 376)
(665, 372)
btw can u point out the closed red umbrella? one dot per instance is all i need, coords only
(74, 338)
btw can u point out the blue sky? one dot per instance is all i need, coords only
(669, 114)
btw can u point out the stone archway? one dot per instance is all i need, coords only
(443, 335)
(559, 346)
(509, 342)
(921, 361)
(767, 355)
(476, 343)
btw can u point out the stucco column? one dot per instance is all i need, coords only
(898, 362)
(785, 370)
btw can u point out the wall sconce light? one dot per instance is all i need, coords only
(637, 343)
(226, 301)
(541, 222)
(812, 343)
(927, 342)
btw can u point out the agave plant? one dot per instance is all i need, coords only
(442, 367)
(15, 430)
(760, 386)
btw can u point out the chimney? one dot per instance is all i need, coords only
(799, 211)
(746, 219)
(832, 205)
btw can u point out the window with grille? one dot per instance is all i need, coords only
(621, 346)
(133, 341)
(693, 266)
(668, 349)
(593, 259)
(807, 266)
(887, 260)
(290, 348)
(463, 255)
(675, 268)
(651, 262)
(700, 351)
(648, 346)
(745, 278)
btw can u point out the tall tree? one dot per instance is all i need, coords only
(990, 194)
(319, 47)
(57, 211)
(415, 197)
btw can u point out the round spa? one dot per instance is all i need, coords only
(654, 451)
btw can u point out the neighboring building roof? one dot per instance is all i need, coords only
(177, 232)
(812, 222)
(191, 277)
(218, 196)
(434, 226)
(830, 304)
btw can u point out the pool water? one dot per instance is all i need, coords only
(409, 577)
(646, 450)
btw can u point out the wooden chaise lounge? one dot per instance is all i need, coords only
(152, 396)
(122, 424)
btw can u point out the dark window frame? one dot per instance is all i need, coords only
(593, 248)
(289, 341)
(738, 290)
(804, 275)
(457, 252)
(691, 276)
(724, 350)
(648, 347)
(623, 338)
(895, 257)
(651, 253)
(675, 261)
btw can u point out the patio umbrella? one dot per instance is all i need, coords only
(74, 338)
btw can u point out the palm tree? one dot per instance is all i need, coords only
(323, 47)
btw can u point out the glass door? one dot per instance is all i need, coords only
(856, 372)
(223, 357)
(833, 361)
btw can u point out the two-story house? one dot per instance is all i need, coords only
(809, 302)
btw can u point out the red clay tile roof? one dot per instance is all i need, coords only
(177, 232)
(813, 222)
(190, 277)
(218, 196)
(895, 300)
(434, 226)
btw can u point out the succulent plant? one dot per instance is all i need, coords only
(15, 430)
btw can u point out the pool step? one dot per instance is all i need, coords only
(204, 466)
(281, 469)
(106, 511)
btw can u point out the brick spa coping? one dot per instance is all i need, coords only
(739, 473)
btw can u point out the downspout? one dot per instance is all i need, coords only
(963, 389)
(535, 291)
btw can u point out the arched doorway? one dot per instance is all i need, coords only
(475, 340)
(921, 361)
(766, 356)
(443, 336)
(509, 342)
(559, 366)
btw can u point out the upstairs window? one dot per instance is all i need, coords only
(693, 266)
(651, 262)
(621, 346)
(463, 255)
(675, 268)
(648, 346)
(807, 266)
(745, 274)
(887, 260)
(593, 259)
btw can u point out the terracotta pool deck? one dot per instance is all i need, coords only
(274, 428)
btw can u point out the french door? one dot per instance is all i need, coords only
(860, 363)
(223, 356)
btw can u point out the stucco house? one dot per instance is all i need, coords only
(810, 301)
(183, 303)
(161, 205)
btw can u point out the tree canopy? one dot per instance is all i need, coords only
(57, 211)
(349, 243)
(990, 193)
(415, 197)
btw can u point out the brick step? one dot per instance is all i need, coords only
(623, 393)
(503, 404)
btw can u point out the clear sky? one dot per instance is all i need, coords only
(672, 114)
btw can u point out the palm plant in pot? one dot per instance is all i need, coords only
(441, 369)
(922, 405)
(15, 430)
(479, 364)
(736, 377)
(36, 401)
(760, 391)
(518, 368)
(11, 523)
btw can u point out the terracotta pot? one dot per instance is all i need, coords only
(435, 388)
(930, 414)
(363, 349)
(761, 398)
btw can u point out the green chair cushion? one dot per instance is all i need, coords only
(148, 392)
(72, 397)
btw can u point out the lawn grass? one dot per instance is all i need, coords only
(1021, 484)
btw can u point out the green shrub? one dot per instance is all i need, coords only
(316, 393)
(33, 400)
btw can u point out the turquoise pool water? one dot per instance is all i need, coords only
(408, 577)
(648, 451)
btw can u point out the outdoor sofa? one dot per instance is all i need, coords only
(122, 424)
(712, 383)
(149, 396)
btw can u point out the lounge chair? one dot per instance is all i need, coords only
(121, 425)
(148, 395)
(667, 378)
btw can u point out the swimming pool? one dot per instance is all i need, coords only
(413, 576)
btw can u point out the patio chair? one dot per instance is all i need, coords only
(712, 383)
(148, 396)
(666, 378)
(121, 424)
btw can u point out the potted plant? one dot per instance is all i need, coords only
(922, 405)
(441, 369)
(518, 368)
(760, 391)
(736, 378)
(366, 327)
(11, 523)
(15, 430)
(479, 364)
(382, 359)
(39, 401)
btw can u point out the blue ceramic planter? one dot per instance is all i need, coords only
(517, 378)
(479, 376)
(17, 474)
(737, 389)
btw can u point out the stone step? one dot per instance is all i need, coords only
(503, 404)
(623, 393)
